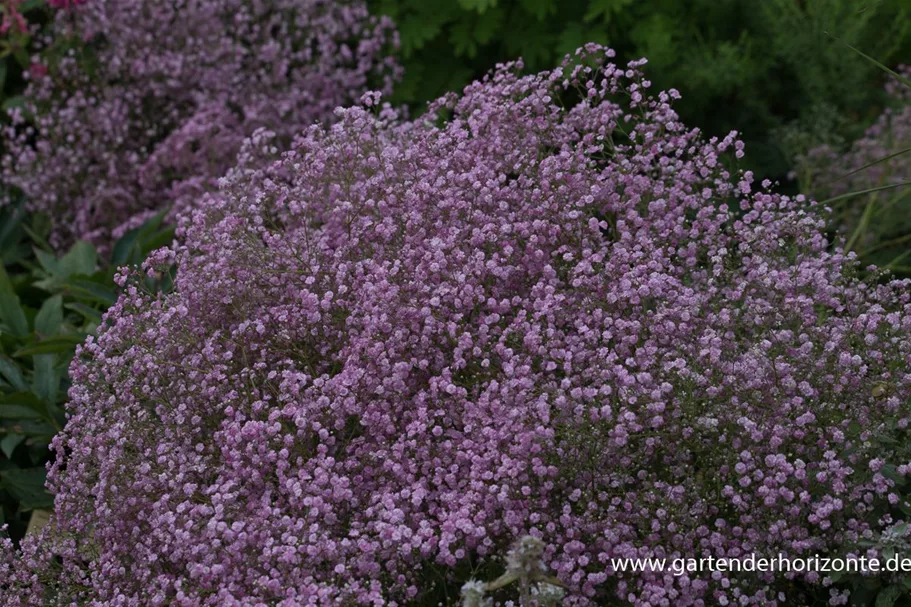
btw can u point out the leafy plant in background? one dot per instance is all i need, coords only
(766, 69)
(48, 305)
(868, 184)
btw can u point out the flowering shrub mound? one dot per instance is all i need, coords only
(548, 311)
(150, 108)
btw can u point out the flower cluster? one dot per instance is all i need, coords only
(151, 107)
(546, 309)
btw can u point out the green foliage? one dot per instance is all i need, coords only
(769, 69)
(48, 305)
(868, 186)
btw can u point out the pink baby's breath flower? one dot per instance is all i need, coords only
(534, 313)
(175, 89)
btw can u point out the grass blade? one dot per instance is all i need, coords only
(884, 68)
(874, 163)
(862, 192)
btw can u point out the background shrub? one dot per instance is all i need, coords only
(766, 69)
(876, 223)
(143, 106)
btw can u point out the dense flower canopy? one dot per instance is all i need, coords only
(546, 308)
(153, 110)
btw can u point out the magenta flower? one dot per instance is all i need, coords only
(65, 4)
(12, 18)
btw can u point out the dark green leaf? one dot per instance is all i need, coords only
(124, 248)
(88, 312)
(539, 8)
(888, 596)
(50, 316)
(13, 375)
(604, 9)
(22, 57)
(477, 5)
(91, 291)
(47, 381)
(18, 412)
(161, 238)
(11, 312)
(80, 259)
(53, 345)
(47, 261)
(12, 315)
(11, 221)
(37, 430)
(31, 402)
(30, 5)
(27, 485)
(9, 443)
(17, 101)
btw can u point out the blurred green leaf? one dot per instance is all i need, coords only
(47, 380)
(605, 9)
(888, 596)
(8, 444)
(27, 485)
(16, 101)
(541, 9)
(47, 261)
(85, 289)
(11, 312)
(13, 375)
(18, 412)
(54, 345)
(90, 314)
(80, 259)
(477, 5)
(30, 5)
(50, 316)
(125, 248)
